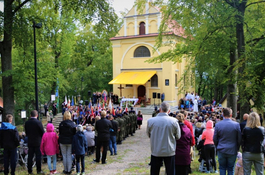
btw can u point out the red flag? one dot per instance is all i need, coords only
(113, 111)
(92, 112)
(103, 106)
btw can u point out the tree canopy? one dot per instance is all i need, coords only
(72, 43)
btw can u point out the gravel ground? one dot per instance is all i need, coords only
(135, 150)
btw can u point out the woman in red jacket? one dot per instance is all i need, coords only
(209, 147)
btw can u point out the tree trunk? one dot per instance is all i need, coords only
(243, 98)
(231, 86)
(6, 61)
(199, 85)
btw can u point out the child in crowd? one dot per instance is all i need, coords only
(239, 165)
(50, 147)
(79, 147)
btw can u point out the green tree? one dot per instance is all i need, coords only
(59, 18)
(217, 31)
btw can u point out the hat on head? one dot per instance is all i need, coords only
(79, 128)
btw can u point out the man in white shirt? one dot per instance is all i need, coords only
(163, 132)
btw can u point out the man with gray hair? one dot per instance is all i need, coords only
(163, 132)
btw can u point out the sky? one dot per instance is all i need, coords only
(122, 5)
(118, 5)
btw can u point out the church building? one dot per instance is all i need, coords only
(133, 76)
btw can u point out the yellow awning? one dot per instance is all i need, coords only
(133, 77)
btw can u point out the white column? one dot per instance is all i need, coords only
(125, 27)
(146, 25)
(135, 26)
(146, 7)
(158, 21)
(147, 90)
(135, 91)
(135, 10)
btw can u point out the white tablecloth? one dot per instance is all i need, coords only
(135, 100)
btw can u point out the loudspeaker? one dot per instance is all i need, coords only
(86, 102)
(154, 94)
(89, 93)
(158, 95)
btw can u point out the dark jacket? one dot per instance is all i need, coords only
(183, 146)
(252, 139)
(103, 127)
(114, 129)
(34, 131)
(67, 130)
(79, 144)
(242, 125)
(8, 136)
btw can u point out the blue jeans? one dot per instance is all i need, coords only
(78, 157)
(34, 150)
(10, 156)
(112, 145)
(156, 164)
(226, 163)
(53, 160)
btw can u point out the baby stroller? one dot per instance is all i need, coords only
(200, 148)
(22, 155)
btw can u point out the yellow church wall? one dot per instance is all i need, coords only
(121, 32)
(124, 61)
(131, 12)
(130, 29)
(153, 27)
(153, 10)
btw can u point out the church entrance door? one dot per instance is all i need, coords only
(141, 91)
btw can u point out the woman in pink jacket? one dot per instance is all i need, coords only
(50, 147)
(209, 147)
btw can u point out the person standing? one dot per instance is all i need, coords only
(182, 157)
(244, 122)
(50, 147)
(54, 109)
(9, 141)
(67, 130)
(139, 119)
(45, 109)
(113, 132)
(90, 137)
(34, 131)
(227, 139)
(102, 127)
(252, 138)
(209, 147)
(163, 132)
(195, 107)
(162, 97)
(79, 147)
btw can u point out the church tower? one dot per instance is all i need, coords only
(133, 76)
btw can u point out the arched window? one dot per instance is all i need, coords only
(142, 28)
(154, 81)
(141, 51)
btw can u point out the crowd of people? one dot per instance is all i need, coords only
(211, 130)
(95, 130)
(83, 130)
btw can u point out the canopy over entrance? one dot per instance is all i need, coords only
(133, 77)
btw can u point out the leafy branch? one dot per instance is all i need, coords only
(20, 6)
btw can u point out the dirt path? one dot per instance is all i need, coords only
(132, 153)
